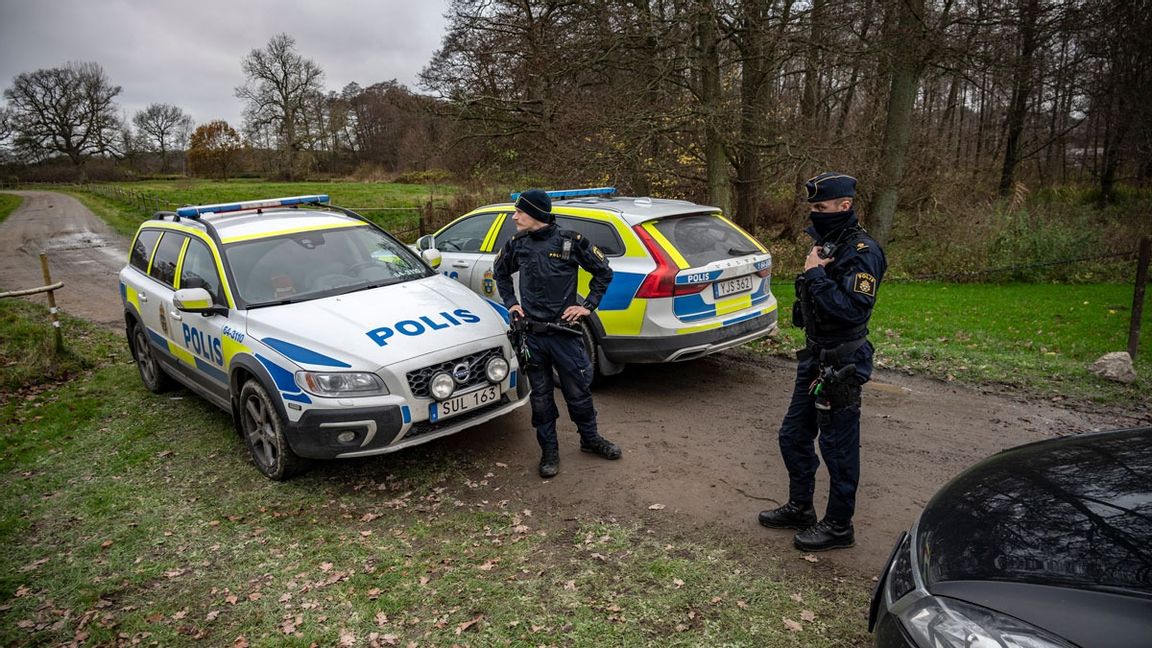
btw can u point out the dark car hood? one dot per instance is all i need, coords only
(1071, 512)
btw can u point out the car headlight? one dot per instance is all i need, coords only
(442, 386)
(496, 369)
(939, 622)
(341, 383)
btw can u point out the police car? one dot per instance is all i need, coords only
(321, 334)
(686, 282)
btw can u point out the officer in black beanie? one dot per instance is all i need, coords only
(834, 300)
(548, 259)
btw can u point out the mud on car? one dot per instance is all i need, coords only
(686, 282)
(320, 333)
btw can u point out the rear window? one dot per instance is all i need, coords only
(602, 235)
(167, 253)
(142, 249)
(704, 238)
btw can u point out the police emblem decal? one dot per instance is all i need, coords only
(864, 284)
(489, 283)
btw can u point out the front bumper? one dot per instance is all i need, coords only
(384, 429)
(689, 346)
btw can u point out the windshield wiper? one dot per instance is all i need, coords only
(279, 303)
(739, 252)
(378, 284)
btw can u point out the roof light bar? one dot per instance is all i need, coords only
(194, 211)
(576, 193)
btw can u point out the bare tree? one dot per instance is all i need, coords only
(67, 110)
(214, 150)
(279, 91)
(161, 127)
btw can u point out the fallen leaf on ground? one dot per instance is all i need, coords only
(656, 507)
(468, 624)
(807, 615)
(810, 558)
(792, 626)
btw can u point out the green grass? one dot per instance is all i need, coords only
(392, 206)
(28, 353)
(131, 516)
(8, 204)
(1036, 338)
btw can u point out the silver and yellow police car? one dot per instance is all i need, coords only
(320, 333)
(686, 281)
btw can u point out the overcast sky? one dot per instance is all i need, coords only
(187, 53)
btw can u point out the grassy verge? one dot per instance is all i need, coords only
(8, 204)
(133, 517)
(1037, 338)
(392, 206)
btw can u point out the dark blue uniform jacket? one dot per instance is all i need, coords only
(548, 273)
(844, 291)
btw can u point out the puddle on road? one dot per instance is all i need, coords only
(75, 241)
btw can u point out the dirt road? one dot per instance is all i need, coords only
(698, 437)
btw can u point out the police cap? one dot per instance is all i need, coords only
(830, 185)
(537, 204)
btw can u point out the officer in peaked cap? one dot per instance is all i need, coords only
(834, 299)
(548, 259)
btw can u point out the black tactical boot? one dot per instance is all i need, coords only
(825, 535)
(789, 516)
(600, 446)
(549, 462)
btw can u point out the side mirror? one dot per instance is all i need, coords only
(426, 242)
(431, 257)
(196, 300)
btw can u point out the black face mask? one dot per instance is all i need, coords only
(828, 224)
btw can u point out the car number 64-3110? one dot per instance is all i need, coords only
(464, 402)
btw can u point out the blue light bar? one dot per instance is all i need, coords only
(195, 210)
(575, 193)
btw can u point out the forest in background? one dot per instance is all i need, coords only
(938, 106)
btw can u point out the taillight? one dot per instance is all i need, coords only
(661, 282)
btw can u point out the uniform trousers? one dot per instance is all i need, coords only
(566, 354)
(839, 435)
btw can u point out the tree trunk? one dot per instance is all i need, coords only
(711, 99)
(906, 56)
(1021, 91)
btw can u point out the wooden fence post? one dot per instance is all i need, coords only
(1138, 296)
(52, 312)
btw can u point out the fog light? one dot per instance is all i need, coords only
(442, 386)
(346, 437)
(496, 369)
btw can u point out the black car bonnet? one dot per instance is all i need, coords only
(1071, 512)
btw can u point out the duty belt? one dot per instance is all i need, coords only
(547, 328)
(834, 356)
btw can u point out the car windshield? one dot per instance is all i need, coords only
(319, 263)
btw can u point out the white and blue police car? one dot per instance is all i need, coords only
(320, 333)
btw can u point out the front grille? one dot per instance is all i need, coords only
(420, 380)
(424, 427)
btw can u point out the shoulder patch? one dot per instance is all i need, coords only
(861, 246)
(864, 284)
(597, 252)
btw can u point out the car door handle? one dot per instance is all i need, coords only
(459, 264)
(176, 315)
(143, 296)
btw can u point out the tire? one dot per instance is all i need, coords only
(263, 432)
(151, 373)
(593, 351)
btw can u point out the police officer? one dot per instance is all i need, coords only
(835, 296)
(548, 259)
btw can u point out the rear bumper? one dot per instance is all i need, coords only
(676, 348)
